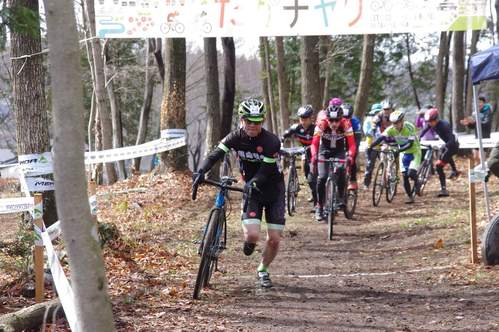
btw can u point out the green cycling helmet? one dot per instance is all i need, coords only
(252, 109)
(375, 109)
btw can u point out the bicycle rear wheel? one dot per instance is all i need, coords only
(290, 192)
(331, 194)
(209, 246)
(379, 183)
(391, 189)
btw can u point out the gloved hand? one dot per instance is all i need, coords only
(197, 177)
(369, 150)
(249, 186)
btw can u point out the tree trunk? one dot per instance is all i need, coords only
(88, 275)
(156, 49)
(212, 100)
(475, 35)
(324, 43)
(173, 104)
(265, 84)
(271, 106)
(30, 105)
(326, 65)
(115, 109)
(439, 79)
(145, 110)
(446, 71)
(282, 81)
(310, 72)
(411, 73)
(100, 92)
(229, 91)
(366, 73)
(458, 80)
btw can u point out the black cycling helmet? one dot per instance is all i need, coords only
(334, 112)
(347, 110)
(305, 111)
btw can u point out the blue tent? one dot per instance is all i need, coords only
(484, 65)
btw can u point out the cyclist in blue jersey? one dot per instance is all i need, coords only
(257, 150)
(371, 132)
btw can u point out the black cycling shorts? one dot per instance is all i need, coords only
(446, 153)
(274, 210)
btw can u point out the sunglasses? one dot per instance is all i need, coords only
(334, 120)
(256, 123)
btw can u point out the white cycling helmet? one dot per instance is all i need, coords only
(396, 116)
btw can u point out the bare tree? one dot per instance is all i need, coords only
(408, 43)
(116, 121)
(443, 51)
(145, 110)
(212, 99)
(88, 275)
(475, 35)
(458, 80)
(265, 84)
(100, 88)
(271, 106)
(173, 104)
(310, 72)
(326, 63)
(366, 72)
(229, 89)
(282, 81)
(30, 106)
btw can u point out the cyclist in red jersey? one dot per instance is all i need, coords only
(333, 137)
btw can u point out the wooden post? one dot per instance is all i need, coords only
(473, 233)
(38, 253)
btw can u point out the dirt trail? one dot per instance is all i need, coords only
(384, 271)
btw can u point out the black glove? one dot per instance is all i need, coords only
(249, 186)
(197, 177)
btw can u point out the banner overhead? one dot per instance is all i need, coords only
(239, 18)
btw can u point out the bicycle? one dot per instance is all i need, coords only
(424, 171)
(333, 203)
(293, 185)
(386, 176)
(215, 233)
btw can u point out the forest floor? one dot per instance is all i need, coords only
(396, 267)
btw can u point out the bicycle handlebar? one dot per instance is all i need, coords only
(219, 184)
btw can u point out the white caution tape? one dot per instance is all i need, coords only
(16, 204)
(61, 283)
(131, 152)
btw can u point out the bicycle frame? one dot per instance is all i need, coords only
(335, 165)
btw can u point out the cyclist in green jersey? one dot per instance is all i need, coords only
(404, 134)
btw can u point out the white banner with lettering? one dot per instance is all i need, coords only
(217, 18)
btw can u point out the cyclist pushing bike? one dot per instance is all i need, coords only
(403, 133)
(332, 134)
(257, 150)
(443, 130)
(303, 132)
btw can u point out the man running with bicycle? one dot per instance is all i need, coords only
(443, 129)
(257, 150)
(332, 134)
(303, 132)
(403, 133)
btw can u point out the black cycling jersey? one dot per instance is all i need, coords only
(444, 131)
(257, 158)
(303, 135)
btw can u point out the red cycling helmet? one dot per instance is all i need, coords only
(431, 114)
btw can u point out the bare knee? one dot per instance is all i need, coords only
(273, 240)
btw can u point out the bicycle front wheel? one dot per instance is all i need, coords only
(379, 183)
(209, 243)
(391, 189)
(422, 179)
(331, 197)
(290, 192)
